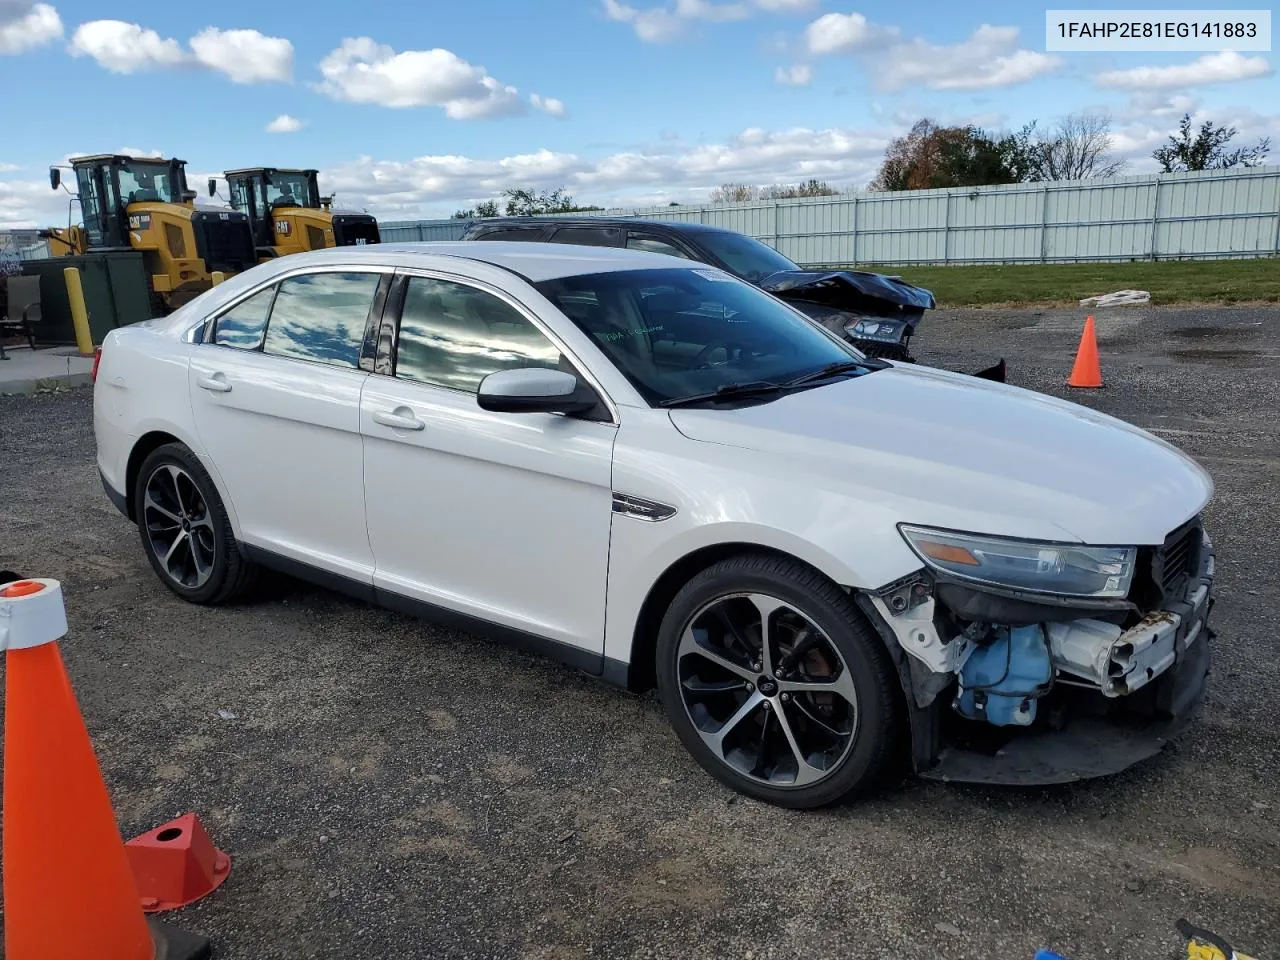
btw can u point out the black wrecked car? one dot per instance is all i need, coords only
(877, 313)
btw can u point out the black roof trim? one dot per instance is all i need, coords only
(595, 222)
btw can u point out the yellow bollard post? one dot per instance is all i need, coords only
(79, 311)
(218, 276)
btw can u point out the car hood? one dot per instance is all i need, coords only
(838, 288)
(919, 445)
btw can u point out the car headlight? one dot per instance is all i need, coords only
(1063, 569)
(873, 329)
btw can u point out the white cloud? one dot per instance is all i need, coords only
(654, 25)
(362, 71)
(9, 167)
(842, 33)
(799, 75)
(436, 185)
(1225, 67)
(285, 124)
(1146, 104)
(663, 23)
(548, 105)
(246, 56)
(125, 47)
(25, 27)
(25, 204)
(989, 57)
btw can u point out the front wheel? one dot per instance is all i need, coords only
(773, 681)
(185, 530)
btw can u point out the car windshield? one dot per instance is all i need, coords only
(681, 333)
(289, 190)
(745, 256)
(143, 182)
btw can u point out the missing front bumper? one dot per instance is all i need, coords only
(1086, 738)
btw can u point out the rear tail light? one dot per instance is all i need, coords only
(97, 359)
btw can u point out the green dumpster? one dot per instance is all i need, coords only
(116, 292)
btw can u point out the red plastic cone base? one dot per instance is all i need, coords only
(176, 864)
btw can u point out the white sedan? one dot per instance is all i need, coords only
(662, 475)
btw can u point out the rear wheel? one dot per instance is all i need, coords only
(185, 530)
(774, 683)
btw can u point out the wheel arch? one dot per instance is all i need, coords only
(641, 669)
(151, 441)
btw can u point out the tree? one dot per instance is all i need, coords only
(1078, 148)
(733, 193)
(526, 202)
(1207, 150)
(744, 192)
(485, 208)
(929, 156)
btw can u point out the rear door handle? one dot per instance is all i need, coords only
(216, 382)
(401, 419)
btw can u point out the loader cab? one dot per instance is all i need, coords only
(259, 191)
(288, 215)
(108, 184)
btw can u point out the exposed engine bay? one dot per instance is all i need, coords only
(1010, 687)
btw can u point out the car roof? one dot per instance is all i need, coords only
(534, 262)
(682, 226)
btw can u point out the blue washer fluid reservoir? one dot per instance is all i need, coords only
(1000, 682)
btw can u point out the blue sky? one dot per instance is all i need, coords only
(417, 109)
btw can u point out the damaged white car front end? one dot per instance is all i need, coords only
(1056, 662)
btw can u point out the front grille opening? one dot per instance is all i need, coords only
(1163, 571)
(1178, 560)
(347, 233)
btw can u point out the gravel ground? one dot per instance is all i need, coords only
(389, 788)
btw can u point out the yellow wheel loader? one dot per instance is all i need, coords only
(142, 203)
(288, 215)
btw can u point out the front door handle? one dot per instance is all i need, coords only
(216, 382)
(401, 418)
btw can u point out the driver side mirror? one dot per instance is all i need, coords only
(535, 390)
(55, 178)
(213, 187)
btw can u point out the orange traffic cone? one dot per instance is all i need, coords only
(68, 891)
(1087, 372)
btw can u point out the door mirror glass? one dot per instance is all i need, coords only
(534, 390)
(55, 177)
(213, 187)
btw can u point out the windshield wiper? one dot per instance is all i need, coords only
(729, 391)
(831, 369)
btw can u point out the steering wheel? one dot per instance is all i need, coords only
(700, 361)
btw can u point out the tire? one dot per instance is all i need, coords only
(700, 675)
(210, 568)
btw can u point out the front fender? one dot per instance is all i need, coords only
(854, 544)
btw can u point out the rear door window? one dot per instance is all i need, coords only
(321, 317)
(589, 236)
(526, 234)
